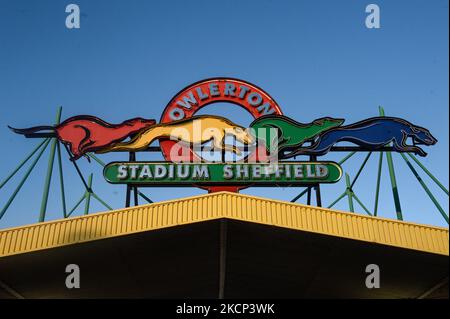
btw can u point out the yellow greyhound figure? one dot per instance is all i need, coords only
(196, 130)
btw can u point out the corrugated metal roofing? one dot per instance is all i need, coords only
(223, 205)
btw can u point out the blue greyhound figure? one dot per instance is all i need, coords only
(371, 134)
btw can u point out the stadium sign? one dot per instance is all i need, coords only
(187, 140)
(185, 174)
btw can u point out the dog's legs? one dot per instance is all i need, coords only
(399, 144)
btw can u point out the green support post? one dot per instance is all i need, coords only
(342, 161)
(95, 158)
(49, 171)
(99, 161)
(428, 173)
(22, 164)
(27, 174)
(398, 207)
(299, 195)
(424, 186)
(145, 197)
(77, 204)
(338, 199)
(361, 204)
(377, 192)
(349, 194)
(88, 196)
(61, 179)
(360, 170)
(101, 201)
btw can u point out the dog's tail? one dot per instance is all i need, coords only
(31, 130)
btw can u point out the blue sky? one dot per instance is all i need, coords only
(315, 58)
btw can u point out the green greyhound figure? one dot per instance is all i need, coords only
(289, 134)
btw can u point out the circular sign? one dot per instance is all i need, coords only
(191, 99)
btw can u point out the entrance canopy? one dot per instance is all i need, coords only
(224, 245)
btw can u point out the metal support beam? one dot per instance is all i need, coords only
(348, 192)
(436, 287)
(299, 195)
(101, 201)
(424, 186)
(360, 170)
(10, 290)
(61, 180)
(145, 197)
(377, 191)
(128, 196)
(88, 195)
(95, 158)
(48, 177)
(308, 201)
(135, 189)
(100, 162)
(135, 193)
(342, 161)
(77, 204)
(6, 180)
(313, 158)
(428, 173)
(78, 170)
(48, 180)
(27, 174)
(338, 199)
(361, 204)
(398, 207)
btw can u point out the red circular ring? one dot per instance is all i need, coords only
(194, 96)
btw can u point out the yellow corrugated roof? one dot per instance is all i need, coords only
(223, 205)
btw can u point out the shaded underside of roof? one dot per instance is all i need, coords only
(225, 258)
(224, 245)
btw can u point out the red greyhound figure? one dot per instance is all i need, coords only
(86, 133)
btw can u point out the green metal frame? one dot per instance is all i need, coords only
(48, 178)
(6, 180)
(350, 196)
(24, 179)
(101, 163)
(398, 206)
(88, 196)
(61, 179)
(55, 150)
(349, 193)
(424, 186)
(377, 191)
(349, 187)
(428, 173)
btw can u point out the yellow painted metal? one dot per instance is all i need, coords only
(223, 205)
(215, 128)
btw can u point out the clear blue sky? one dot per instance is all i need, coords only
(316, 58)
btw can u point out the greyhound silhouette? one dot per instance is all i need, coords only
(372, 134)
(194, 131)
(86, 133)
(290, 134)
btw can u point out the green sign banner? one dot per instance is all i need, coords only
(256, 174)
